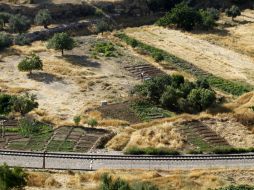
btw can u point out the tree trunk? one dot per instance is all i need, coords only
(62, 52)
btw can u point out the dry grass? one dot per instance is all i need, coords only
(163, 135)
(198, 179)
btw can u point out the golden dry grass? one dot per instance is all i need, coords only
(163, 135)
(198, 179)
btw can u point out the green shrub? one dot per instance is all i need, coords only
(150, 151)
(195, 152)
(92, 122)
(19, 23)
(207, 20)
(5, 40)
(77, 120)
(12, 178)
(29, 63)
(61, 41)
(28, 127)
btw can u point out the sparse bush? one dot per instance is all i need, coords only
(5, 40)
(43, 17)
(19, 23)
(150, 151)
(29, 63)
(233, 12)
(12, 178)
(144, 186)
(92, 122)
(61, 41)
(77, 120)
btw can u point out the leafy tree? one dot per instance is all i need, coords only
(201, 98)
(61, 41)
(12, 178)
(43, 17)
(5, 40)
(233, 12)
(182, 16)
(169, 98)
(5, 103)
(29, 63)
(24, 104)
(4, 17)
(207, 19)
(19, 23)
(103, 26)
(21, 40)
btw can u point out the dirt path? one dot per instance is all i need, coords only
(209, 57)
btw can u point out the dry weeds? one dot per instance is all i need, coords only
(198, 179)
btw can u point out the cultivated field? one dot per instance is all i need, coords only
(209, 57)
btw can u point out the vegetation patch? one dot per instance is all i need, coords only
(147, 111)
(150, 151)
(239, 187)
(177, 94)
(12, 178)
(106, 49)
(232, 150)
(231, 87)
(57, 145)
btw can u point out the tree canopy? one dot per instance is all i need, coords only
(29, 63)
(233, 12)
(61, 41)
(19, 23)
(43, 17)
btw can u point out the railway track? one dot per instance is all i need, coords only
(126, 157)
(79, 161)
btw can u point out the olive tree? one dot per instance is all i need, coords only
(5, 40)
(19, 23)
(61, 41)
(233, 12)
(4, 17)
(24, 104)
(43, 17)
(29, 63)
